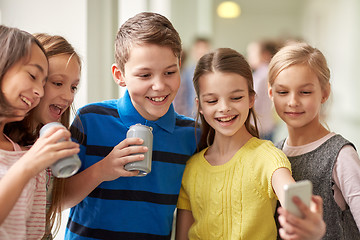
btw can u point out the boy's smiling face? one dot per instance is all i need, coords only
(152, 77)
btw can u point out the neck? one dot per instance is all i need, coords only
(306, 134)
(5, 144)
(224, 147)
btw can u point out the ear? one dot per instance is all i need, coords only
(198, 105)
(270, 92)
(117, 76)
(325, 94)
(251, 101)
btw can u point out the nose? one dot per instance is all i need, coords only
(158, 84)
(39, 89)
(293, 101)
(68, 96)
(224, 106)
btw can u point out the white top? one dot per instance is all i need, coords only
(27, 219)
(263, 104)
(346, 174)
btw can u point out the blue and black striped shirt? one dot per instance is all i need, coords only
(130, 207)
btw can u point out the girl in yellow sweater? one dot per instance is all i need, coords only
(230, 187)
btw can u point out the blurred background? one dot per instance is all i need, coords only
(333, 26)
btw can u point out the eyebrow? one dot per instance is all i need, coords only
(173, 65)
(147, 68)
(38, 67)
(304, 85)
(235, 91)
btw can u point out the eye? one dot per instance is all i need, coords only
(148, 75)
(237, 98)
(74, 88)
(282, 92)
(58, 84)
(211, 101)
(32, 76)
(306, 92)
(170, 72)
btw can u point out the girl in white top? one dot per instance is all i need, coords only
(55, 106)
(23, 73)
(299, 86)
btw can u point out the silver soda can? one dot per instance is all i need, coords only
(145, 133)
(64, 167)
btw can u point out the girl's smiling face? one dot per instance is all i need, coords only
(224, 102)
(23, 83)
(60, 89)
(298, 96)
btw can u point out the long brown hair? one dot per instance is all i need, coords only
(15, 46)
(55, 45)
(224, 60)
(26, 131)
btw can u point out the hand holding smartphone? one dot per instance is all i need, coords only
(301, 189)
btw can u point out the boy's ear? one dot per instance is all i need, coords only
(117, 76)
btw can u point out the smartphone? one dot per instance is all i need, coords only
(301, 189)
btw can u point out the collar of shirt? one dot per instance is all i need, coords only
(130, 116)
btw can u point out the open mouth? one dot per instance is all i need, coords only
(227, 119)
(25, 100)
(56, 109)
(157, 99)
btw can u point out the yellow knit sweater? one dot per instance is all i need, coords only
(234, 200)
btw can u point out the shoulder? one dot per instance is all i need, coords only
(338, 139)
(194, 159)
(194, 163)
(264, 147)
(184, 121)
(265, 151)
(108, 107)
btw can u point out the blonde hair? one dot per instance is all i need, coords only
(300, 54)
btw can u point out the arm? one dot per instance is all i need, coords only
(346, 175)
(311, 226)
(184, 220)
(110, 168)
(43, 153)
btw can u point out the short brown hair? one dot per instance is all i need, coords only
(145, 28)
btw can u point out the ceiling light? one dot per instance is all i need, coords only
(228, 9)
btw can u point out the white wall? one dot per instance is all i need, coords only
(66, 18)
(333, 26)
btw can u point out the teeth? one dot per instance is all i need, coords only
(226, 119)
(25, 100)
(158, 99)
(58, 106)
